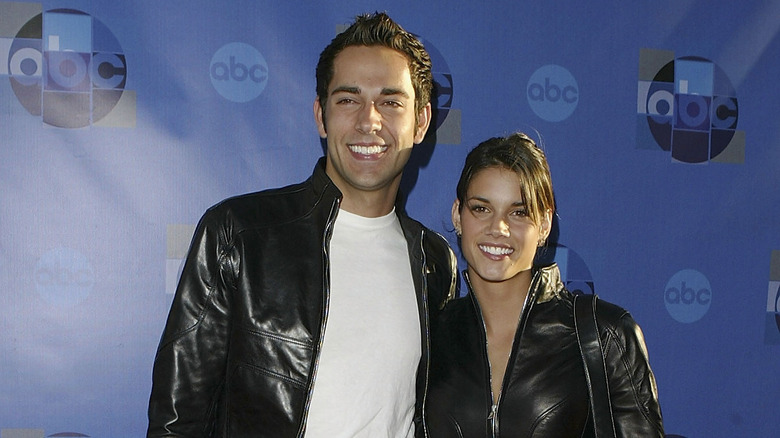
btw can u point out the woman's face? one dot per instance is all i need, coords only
(499, 238)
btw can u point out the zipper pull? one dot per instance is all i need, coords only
(493, 418)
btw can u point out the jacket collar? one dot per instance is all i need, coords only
(321, 182)
(545, 283)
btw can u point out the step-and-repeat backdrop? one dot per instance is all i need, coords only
(121, 122)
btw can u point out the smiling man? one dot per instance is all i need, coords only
(371, 126)
(305, 310)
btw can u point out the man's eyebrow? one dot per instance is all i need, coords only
(356, 90)
(394, 92)
(345, 89)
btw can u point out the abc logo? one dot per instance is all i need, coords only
(67, 67)
(238, 72)
(688, 296)
(64, 277)
(691, 108)
(553, 93)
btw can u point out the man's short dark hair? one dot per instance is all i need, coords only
(378, 29)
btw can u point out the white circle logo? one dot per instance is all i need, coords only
(553, 93)
(688, 296)
(64, 277)
(238, 72)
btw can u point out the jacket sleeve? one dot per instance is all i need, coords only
(447, 286)
(632, 386)
(189, 368)
(443, 286)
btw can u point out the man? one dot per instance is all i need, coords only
(305, 310)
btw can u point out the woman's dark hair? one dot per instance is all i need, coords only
(518, 153)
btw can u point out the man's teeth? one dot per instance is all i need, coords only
(494, 250)
(367, 150)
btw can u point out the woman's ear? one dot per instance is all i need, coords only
(546, 226)
(456, 217)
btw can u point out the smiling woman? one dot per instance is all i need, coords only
(505, 359)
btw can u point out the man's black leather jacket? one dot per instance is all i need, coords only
(239, 352)
(544, 390)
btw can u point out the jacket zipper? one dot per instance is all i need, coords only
(326, 302)
(493, 415)
(427, 334)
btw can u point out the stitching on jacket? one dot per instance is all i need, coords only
(544, 415)
(456, 425)
(273, 374)
(201, 315)
(613, 338)
(278, 337)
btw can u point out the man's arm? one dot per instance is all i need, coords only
(189, 369)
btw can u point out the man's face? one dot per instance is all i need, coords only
(369, 122)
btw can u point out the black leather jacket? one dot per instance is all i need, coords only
(240, 347)
(544, 390)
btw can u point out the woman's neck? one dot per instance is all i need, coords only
(501, 302)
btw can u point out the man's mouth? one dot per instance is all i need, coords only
(496, 250)
(367, 150)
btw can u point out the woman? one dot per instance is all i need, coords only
(505, 358)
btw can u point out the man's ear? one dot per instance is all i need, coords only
(319, 117)
(423, 122)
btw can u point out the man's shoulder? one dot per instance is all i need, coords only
(270, 206)
(431, 239)
(302, 194)
(441, 260)
(412, 224)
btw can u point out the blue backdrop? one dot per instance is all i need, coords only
(121, 122)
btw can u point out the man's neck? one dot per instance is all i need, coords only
(367, 205)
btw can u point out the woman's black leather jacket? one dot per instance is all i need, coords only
(241, 344)
(544, 390)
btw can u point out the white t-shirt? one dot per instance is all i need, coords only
(366, 376)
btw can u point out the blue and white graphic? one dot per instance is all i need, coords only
(64, 277)
(238, 72)
(688, 296)
(65, 66)
(553, 93)
(689, 107)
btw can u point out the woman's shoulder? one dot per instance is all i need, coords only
(610, 313)
(616, 323)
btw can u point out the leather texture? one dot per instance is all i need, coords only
(544, 392)
(239, 351)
